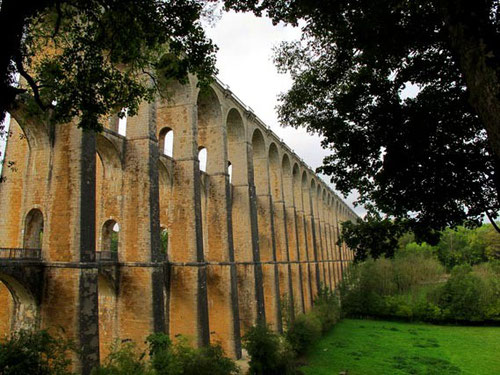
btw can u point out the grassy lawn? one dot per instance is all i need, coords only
(366, 347)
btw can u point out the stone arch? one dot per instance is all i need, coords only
(275, 176)
(35, 131)
(165, 192)
(6, 310)
(260, 163)
(288, 180)
(166, 141)
(110, 237)
(210, 130)
(230, 171)
(33, 229)
(109, 182)
(21, 310)
(203, 159)
(108, 152)
(237, 148)
(164, 239)
(297, 187)
(306, 199)
(175, 111)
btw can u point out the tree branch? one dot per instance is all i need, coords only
(492, 221)
(31, 82)
(58, 21)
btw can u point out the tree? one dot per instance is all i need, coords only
(433, 157)
(372, 236)
(36, 353)
(88, 59)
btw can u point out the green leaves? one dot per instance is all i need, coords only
(89, 59)
(372, 237)
(423, 157)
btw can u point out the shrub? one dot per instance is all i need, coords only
(412, 287)
(303, 331)
(327, 308)
(269, 353)
(124, 359)
(35, 353)
(167, 359)
(471, 295)
(209, 360)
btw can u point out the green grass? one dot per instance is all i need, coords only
(369, 347)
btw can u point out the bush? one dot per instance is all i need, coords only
(124, 359)
(35, 353)
(304, 330)
(327, 308)
(471, 295)
(269, 353)
(166, 358)
(412, 287)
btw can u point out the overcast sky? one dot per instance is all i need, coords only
(245, 64)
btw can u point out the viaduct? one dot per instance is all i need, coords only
(115, 235)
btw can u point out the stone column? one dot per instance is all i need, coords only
(267, 244)
(219, 250)
(326, 219)
(320, 240)
(187, 289)
(310, 245)
(56, 175)
(292, 236)
(244, 220)
(141, 304)
(280, 230)
(313, 238)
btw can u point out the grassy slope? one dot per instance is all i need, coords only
(368, 347)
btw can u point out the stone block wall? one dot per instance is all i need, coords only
(257, 227)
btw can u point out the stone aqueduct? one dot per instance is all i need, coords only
(84, 216)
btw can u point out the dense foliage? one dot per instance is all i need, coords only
(93, 58)
(430, 157)
(269, 353)
(372, 236)
(273, 354)
(35, 353)
(166, 358)
(414, 286)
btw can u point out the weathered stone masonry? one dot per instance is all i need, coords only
(83, 213)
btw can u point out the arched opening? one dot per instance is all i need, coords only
(163, 240)
(33, 230)
(236, 147)
(122, 122)
(260, 163)
(230, 171)
(6, 311)
(18, 309)
(203, 159)
(166, 142)
(275, 173)
(110, 237)
(210, 131)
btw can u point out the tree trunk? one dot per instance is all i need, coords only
(476, 45)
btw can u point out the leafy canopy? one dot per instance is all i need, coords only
(92, 58)
(372, 236)
(425, 157)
